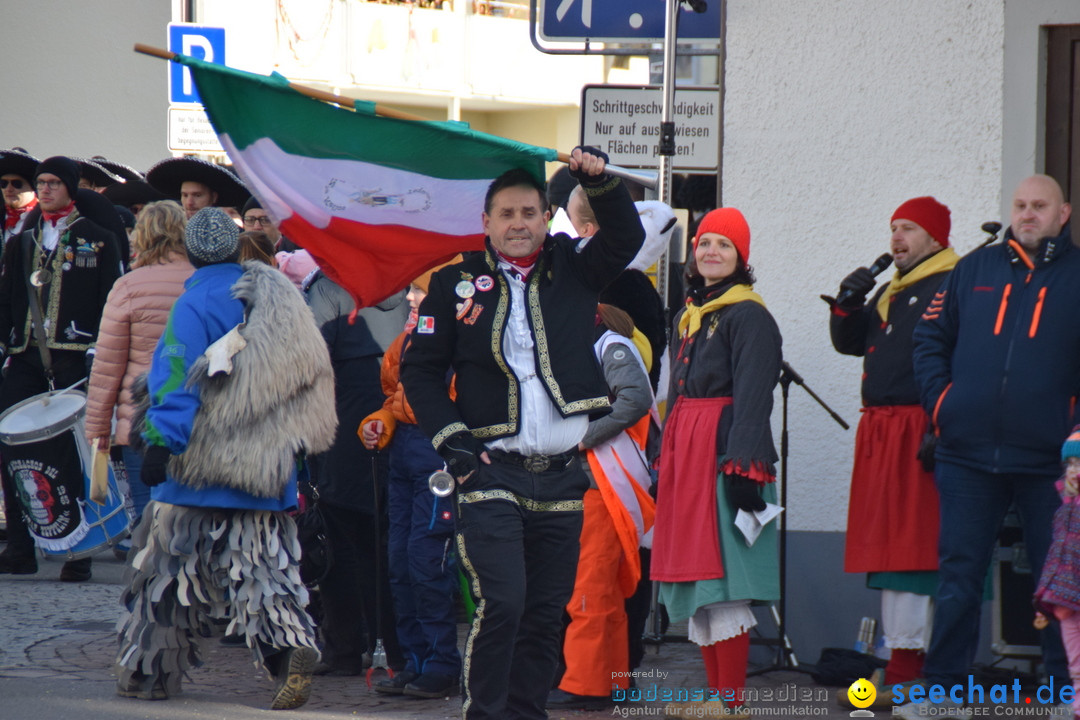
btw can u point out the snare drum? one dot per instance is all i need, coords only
(48, 459)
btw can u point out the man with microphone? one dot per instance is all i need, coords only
(893, 511)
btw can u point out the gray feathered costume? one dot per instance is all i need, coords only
(197, 556)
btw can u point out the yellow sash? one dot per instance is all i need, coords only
(692, 317)
(938, 263)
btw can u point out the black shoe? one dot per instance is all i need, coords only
(433, 685)
(293, 678)
(324, 668)
(569, 701)
(144, 688)
(17, 564)
(233, 641)
(75, 571)
(395, 685)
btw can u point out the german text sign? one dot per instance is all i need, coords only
(624, 122)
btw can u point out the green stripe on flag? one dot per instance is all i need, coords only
(248, 107)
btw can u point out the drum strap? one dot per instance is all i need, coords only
(35, 308)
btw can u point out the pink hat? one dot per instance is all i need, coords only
(730, 223)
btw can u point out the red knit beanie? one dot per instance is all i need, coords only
(730, 223)
(929, 214)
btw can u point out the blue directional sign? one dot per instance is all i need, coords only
(625, 20)
(198, 41)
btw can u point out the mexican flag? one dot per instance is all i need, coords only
(375, 200)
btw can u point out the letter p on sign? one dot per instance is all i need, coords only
(197, 41)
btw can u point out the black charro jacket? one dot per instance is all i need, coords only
(561, 294)
(84, 267)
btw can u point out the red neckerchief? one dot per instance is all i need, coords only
(524, 265)
(62, 213)
(15, 214)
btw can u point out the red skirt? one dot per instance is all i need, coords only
(893, 514)
(686, 539)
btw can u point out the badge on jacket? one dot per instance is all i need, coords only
(425, 325)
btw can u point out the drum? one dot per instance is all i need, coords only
(46, 455)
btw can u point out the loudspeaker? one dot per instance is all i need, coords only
(1012, 629)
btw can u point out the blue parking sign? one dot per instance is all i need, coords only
(197, 41)
(627, 20)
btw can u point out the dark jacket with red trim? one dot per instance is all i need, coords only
(561, 294)
(736, 354)
(997, 357)
(888, 376)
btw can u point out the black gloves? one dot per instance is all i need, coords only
(584, 178)
(855, 287)
(153, 468)
(743, 493)
(461, 452)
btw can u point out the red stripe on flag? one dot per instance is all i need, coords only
(372, 262)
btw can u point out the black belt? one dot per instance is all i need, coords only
(534, 463)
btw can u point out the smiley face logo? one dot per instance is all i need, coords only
(862, 693)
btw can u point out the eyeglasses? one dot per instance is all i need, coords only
(260, 220)
(16, 183)
(51, 184)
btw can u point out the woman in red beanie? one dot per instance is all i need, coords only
(717, 459)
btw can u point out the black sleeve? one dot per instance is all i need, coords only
(619, 238)
(848, 327)
(425, 363)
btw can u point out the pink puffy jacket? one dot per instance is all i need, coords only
(133, 320)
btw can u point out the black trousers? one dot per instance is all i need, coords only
(518, 538)
(349, 591)
(26, 378)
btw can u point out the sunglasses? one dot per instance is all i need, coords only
(17, 184)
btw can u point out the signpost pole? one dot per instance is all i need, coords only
(667, 133)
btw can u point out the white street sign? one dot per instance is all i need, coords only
(624, 122)
(190, 131)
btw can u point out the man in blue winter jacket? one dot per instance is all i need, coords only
(997, 358)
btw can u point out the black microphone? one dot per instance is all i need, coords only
(879, 266)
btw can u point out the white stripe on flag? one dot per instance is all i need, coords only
(318, 189)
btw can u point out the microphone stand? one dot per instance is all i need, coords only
(785, 655)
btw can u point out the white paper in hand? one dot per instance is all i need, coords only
(751, 524)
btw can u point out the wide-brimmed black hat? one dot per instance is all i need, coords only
(168, 175)
(122, 171)
(18, 162)
(96, 174)
(132, 192)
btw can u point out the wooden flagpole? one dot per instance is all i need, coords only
(648, 180)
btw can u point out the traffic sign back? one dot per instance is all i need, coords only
(625, 20)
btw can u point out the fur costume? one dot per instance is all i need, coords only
(190, 565)
(248, 432)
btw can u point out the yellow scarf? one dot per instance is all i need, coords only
(694, 313)
(938, 263)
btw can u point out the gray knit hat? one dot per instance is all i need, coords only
(211, 237)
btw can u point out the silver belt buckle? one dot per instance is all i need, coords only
(537, 463)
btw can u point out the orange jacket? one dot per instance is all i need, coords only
(396, 408)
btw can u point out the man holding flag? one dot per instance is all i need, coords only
(516, 323)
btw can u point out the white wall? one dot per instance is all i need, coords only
(836, 112)
(73, 86)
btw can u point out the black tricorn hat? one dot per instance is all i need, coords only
(18, 162)
(168, 175)
(132, 192)
(96, 174)
(125, 172)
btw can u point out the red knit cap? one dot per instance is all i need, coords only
(730, 223)
(929, 214)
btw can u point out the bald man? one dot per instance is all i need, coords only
(997, 359)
